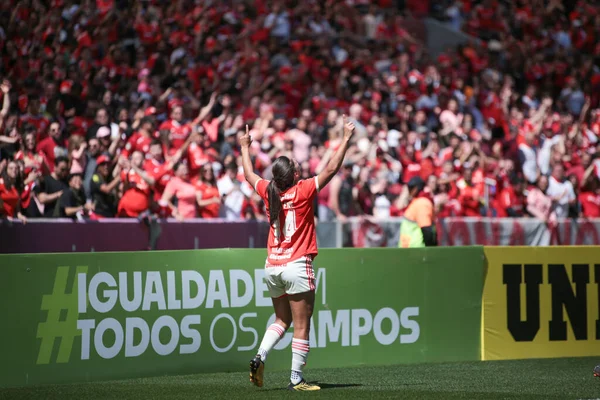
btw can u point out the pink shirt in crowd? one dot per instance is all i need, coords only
(77, 164)
(186, 196)
(539, 205)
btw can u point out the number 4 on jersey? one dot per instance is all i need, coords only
(289, 227)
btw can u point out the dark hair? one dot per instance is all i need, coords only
(156, 142)
(19, 184)
(60, 159)
(283, 178)
(212, 181)
(232, 166)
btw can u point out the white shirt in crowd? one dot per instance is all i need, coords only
(564, 191)
(544, 154)
(232, 206)
(528, 159)
(381, 208)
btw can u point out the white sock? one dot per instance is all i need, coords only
(272, 336)
(300, 349)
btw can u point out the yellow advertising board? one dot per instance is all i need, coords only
(541, 302)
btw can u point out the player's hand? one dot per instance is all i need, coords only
(246, 139)
(348, 128)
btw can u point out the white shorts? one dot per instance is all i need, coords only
(294, 277)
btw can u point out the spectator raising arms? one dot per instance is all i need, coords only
(103, 81)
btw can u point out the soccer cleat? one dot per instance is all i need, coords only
(257, 371)
(597, 371)
(303, 386)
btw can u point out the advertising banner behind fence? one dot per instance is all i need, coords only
(49, 236)
(541, 302)
(78, 317)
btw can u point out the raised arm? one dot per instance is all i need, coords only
(245, 141)
(334, 164)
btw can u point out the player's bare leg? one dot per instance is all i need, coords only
(302, 305)
(274, 333)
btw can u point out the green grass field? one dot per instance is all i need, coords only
(566, 378)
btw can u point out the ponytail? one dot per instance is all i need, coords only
(274, 202)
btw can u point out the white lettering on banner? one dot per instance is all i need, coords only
(153, 292)
(81, 294)
(134, 304)
(407, 323)
(216, 290)
(173, 302)
(360, 328)
(248, 329)
(386, 313)
(165, 321)
(110, 295)
(190, 333)
(263, 299)
(235, 277)
(138, 291)
(85, 326)
(187, 277)
(334, 329)
(212, 330)
(108, 352)
(132, 349)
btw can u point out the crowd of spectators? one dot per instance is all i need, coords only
(114, 108)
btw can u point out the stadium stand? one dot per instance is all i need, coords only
(115, 108)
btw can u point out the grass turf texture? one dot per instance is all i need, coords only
(565, 378)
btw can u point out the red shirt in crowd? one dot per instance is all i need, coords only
(136, 198)
(469, 200)
(52, 149)
(137, 142)
(590, 204)
(508, 198)
(196, 158)
(208, 192)
(10, 199)
(178, 132)
(40, 123)
(161, 174)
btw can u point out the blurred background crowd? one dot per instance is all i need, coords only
(114, 108)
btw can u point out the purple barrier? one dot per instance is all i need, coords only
(64, 235)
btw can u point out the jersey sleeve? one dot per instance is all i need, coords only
(309, 187)
(261, 188)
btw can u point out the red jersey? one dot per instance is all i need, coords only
(469, 200)
(208, 192)
(509, 199)
(590, 204)
(137, 142)
(160, 173)
(196, 158)
(40, 123)
(178, 132)
(10, 199)
(52, 150)
(37, 163)
(136, 199)
(298, 237)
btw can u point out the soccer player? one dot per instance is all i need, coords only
(291, 248)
